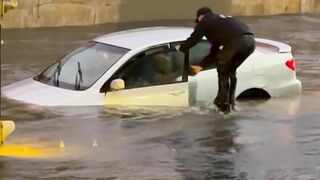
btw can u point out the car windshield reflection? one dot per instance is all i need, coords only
(80, 69)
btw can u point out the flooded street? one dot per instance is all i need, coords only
(277, 139)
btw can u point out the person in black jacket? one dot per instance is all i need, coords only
(232, 42)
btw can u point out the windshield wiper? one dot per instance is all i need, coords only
(78, 80)
(56, 74)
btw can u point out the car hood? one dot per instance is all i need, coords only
(34, 92)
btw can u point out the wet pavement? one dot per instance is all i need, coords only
(267, 139)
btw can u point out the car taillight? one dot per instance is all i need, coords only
(291, 64)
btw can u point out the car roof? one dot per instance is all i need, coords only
(145, 37)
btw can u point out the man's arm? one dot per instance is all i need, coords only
(210, 58)
(196, 36)
(166, 78)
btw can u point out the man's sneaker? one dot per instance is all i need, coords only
(225, 108)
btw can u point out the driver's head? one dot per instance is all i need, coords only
(201, 12)
(162, 63)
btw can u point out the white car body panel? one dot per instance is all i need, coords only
(264, 69)
(207, 81)
(163, 95)
(136, 39)
(35, 92)
(281, 47)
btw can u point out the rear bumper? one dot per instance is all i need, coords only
(289, 88)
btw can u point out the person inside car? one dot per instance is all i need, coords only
(158, 70)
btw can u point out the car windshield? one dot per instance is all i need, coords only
(81, 68)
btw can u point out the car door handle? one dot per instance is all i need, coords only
(177, 93)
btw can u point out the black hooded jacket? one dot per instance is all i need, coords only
(218, 29)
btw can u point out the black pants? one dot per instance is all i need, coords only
(231, 56)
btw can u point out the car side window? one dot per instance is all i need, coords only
(152, 68)
(198, 52)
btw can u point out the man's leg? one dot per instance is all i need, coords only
(236, 62)
(232, 91)
(222, 99)
(246, 49)
(209, 61)
(223, 68)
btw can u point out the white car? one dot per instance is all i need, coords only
(141, 67)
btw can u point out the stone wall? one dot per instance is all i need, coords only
(40, 13)
(271, 7)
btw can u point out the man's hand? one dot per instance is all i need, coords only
(177, 47)
(196, 69)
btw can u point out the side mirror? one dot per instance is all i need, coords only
(117, 84)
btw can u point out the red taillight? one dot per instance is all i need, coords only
(291, 64)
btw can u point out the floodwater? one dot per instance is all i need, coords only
(276, 139)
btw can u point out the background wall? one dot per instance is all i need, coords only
(39, 13)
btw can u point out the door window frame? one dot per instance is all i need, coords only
(167, 47)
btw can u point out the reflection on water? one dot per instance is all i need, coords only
(278, 137)
(273, 139)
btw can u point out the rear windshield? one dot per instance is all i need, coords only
(80, 69)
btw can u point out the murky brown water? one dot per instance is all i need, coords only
(274, 139)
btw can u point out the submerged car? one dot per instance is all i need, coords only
(142, 67)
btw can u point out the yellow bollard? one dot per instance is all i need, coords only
(6, 128)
